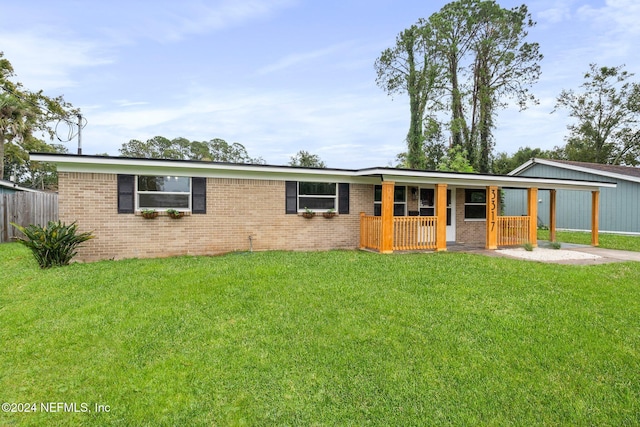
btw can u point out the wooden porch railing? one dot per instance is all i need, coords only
(513, 230)
(414, 233)
(370, 232)
(409, 233)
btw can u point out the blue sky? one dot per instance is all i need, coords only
(278, 76)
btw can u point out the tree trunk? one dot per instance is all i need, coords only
(415, 157)
(456, 106)
(486, 115)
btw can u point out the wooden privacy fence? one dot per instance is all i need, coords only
(24, 208)
(513, 230)
(409, 233)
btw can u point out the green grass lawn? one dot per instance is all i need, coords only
(608, 241)
(326, 338)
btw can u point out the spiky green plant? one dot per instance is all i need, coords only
(53, 245)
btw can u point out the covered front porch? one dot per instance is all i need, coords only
(387, 232)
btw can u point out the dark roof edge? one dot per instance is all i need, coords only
(180, 161)
(620, 172)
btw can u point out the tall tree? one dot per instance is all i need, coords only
(411, 67)
(305, 159)
(25, 115)
(607, 118)
(476, 58)
(504, 67)
(455, 28)
(215, 150)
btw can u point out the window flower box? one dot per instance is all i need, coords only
(329, 214)
(149, 213)
(175, 214)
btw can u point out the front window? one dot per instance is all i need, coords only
(399, 201)
(475, 204)
(163, 192)
(427, 202)
(317, 196)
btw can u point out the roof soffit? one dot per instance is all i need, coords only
(97, 164)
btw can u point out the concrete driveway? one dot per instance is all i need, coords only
(571, 253)
(606, 255)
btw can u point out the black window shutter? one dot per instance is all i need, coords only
(198, 195)
(343, 198)
(291, 197)
(126, 186)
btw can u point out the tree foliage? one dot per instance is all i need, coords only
(411, 67)
(215, 150)
(606, 113)
(505, 163)
(456, 160)
(28, 173)
(305, 159)
(26, 120)
(473, 58)
(434, 146)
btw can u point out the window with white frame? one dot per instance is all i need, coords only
(317, 196)
(399, 201)
(475, 204)
(163, 192)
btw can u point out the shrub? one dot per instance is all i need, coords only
(555, 245)
(528, 247)
(54, 244)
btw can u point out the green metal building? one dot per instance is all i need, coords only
(619, 207)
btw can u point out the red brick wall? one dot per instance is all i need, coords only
(236, 209)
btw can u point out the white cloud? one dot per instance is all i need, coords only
(45, 54)
(618, 16)
(43, 61)
(560, 11)
(127, 103)
(346, 131)
(301, 58)
(174, 21)
(615, 26)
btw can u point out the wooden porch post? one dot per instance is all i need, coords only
(532, 212)
(441, 215)
(386, 244)
(492, 217)
(552, 215)
(595, 215)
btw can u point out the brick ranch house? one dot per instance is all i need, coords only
(237, 207)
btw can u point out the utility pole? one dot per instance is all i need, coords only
(79, 134)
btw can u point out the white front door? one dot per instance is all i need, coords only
(427, 208)
(451, 214)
